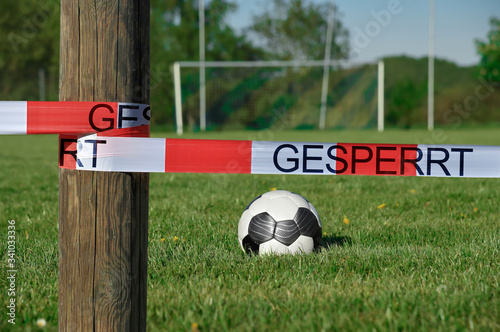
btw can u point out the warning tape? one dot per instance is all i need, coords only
(69, 117)
(126, 154)
(115, 137)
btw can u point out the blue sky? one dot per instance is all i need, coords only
(458, 24)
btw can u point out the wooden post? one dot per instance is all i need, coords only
(103, 216)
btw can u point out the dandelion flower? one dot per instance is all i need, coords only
(273, 189)
(346, 221)
(162, 239)
(475, 209)
(41, 322)
(176, 238)
(195, 327)
(381, 206)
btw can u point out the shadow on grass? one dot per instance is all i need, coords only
(335, 241)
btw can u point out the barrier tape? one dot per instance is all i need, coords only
(69, 117)
(260, 157)
(97, 136)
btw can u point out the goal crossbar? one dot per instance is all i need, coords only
(249, 64)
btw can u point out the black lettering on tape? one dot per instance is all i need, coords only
(439, 162)
(336, 158)
(94, 152)
(110, 120)
(306, 157)
(294, 160)
(63, 151)
(411, 161)
(122, 118)
(146, 113)
(379, 159)
(360, 160)
(462, 157)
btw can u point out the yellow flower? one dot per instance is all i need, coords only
(195, 327)
(475, 209)
(381, 206)
(162, 239)
(273, 189)
(41, 322)
(176, 238)
(413, 191)
(346, 221)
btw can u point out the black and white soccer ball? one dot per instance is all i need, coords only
(279, 222)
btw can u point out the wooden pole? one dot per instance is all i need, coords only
(103, 216)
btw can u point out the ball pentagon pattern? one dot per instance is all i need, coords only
(279, 222)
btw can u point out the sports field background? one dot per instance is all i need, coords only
(413, 254)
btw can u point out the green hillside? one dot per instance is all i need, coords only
(460, 97)
(290, 98)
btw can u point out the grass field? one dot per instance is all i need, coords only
(400, 254)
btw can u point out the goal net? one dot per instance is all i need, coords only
(276, 94)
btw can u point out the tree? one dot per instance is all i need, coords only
(29, 41)
(296, 29)
(403, 99)
(490, 52)
(175, 37)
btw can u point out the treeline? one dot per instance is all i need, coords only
(29, 42)
(29, 48)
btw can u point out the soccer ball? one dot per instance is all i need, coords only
(279, 222)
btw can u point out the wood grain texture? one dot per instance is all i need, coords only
(103, 216)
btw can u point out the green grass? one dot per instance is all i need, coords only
(428, 261)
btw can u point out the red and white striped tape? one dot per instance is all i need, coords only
(69, 117)
(126, 154)
(104, 136)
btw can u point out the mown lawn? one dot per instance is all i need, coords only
(414, 254)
